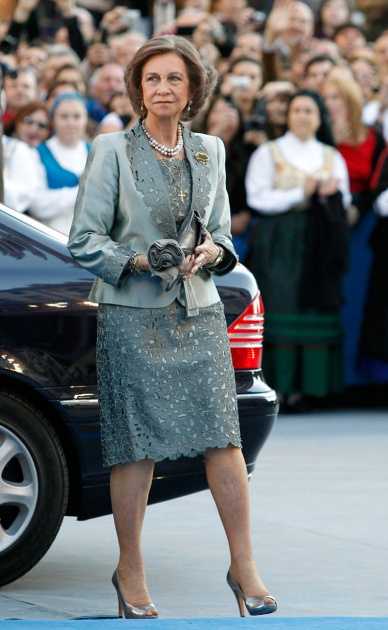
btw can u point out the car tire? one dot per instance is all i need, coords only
(34, 486)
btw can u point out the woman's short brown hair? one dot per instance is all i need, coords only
(30, 108)
(202, 79)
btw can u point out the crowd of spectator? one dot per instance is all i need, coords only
(302, 108)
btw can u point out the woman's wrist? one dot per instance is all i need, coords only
(219, 258)
(136, 263)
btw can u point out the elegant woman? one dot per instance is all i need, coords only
(299, 185)
(152, 222)
(360, 147)
(32, 124)
(62, 160)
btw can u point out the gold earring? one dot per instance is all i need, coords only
(189, 104)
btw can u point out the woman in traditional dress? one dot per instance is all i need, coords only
(299, 185)
(151, 194)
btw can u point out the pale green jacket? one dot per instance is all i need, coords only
(123, 206)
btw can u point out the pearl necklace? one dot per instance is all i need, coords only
(160, 147)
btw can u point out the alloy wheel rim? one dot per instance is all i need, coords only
(19, 488)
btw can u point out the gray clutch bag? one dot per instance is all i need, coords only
(165, 255)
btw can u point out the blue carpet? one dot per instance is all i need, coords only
(272, 623)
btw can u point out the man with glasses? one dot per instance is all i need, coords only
(20, 88)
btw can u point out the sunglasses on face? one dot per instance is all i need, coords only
(13, 73)
(30, 121)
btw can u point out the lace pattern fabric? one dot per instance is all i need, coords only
(166, 383)
(177, 176)
(150, 182)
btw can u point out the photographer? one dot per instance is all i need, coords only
(223, 119)
(269, 118)
(242, 85)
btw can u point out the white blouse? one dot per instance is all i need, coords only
(20, 173)
(306, 156)
(55, 206)
(381, 204)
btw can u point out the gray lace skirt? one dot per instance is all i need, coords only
(166, 382)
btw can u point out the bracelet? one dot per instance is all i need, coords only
(133, 263)
(219, 258)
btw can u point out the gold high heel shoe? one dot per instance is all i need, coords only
(129, 611)
(254, 605)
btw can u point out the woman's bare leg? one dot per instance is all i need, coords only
(228, 481)
(130, 485)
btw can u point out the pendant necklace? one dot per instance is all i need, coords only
(182, 195)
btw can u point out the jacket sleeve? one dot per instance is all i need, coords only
(220, 222)
(90, 243)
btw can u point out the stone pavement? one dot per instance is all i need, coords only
(319, 521)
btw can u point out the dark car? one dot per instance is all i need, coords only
(50, 454)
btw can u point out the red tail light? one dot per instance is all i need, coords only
(246, 337)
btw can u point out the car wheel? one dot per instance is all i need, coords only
(34, 486)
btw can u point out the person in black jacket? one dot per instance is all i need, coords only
(373, 358)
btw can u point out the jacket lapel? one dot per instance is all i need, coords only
(150, 183)
(198, 160)
(149, 180)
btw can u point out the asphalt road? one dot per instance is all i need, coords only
(319, 521)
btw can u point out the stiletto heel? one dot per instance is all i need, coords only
(254, 605)
(129, 611)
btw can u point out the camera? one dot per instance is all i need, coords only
(8, 45)
(185, 31)
(258, 17)
(130, 17)
(258, 120)
(239, 82)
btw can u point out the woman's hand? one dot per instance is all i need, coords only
(352, 215)
(310, 186)
(98, 54)
(186, 267)
(205, 254)
(342, 131)
(226, 124)
(143, 263)
(240, 222)
(255, 137)
(328, 187)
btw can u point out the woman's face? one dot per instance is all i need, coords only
(34, 128)
(334, 103)
(253, 75)
(121, 105)
(70, 120)
(165, 85)
(365, 74)
(303, 117)
(231, 9)
(221, 110)
(72, 75)
(335, 13)
(276, 108)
